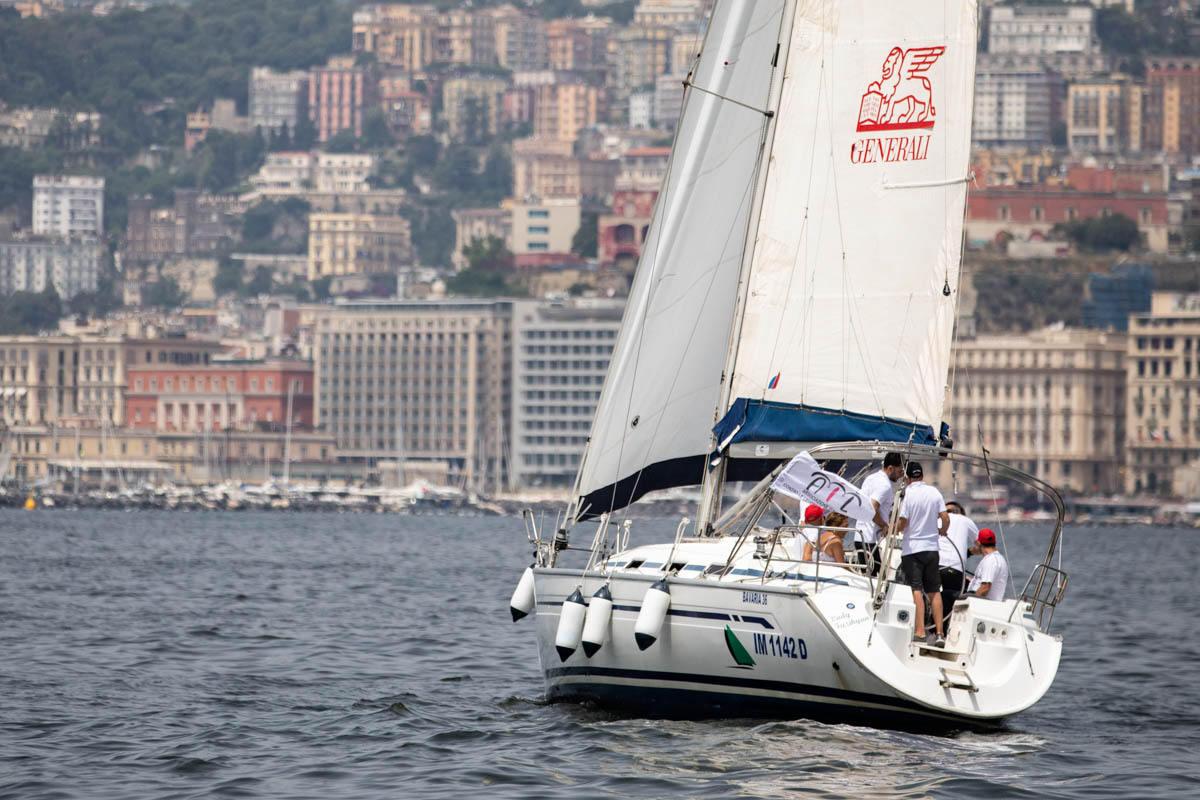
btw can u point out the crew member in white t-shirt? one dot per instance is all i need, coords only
(923, 519)
(991, 573)
(878, 488)
(952, 554)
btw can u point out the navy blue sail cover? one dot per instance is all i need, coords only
(760, 421)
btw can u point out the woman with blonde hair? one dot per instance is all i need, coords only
(829, 547)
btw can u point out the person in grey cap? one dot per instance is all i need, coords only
(923, 519)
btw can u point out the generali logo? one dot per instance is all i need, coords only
(901, 100)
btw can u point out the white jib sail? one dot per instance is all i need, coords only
(663, 385)
(861, 224)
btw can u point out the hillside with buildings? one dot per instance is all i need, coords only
(404, 232)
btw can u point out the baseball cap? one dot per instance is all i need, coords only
(813, 513)
(987, 536)
(913, 470)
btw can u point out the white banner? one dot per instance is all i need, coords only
(804, 480)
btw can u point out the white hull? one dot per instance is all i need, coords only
(814, 647)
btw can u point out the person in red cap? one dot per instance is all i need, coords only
(991, 574)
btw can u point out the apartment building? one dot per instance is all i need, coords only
(276, 98)
(404, 36)
(642, 54)
(68, 206)
(1017, 102)
(1049, 402)
(544, 227)
(560, 355)
(549, 168)
(357, 244)
(338, 97)
(583, 45)
(471, 107)
(418, 381)
(561, 110)
(1042, 29)
(1171, 105)
(1098, 115)
(520, 39)
(195, 224)
(1163, 368)
(31, 265)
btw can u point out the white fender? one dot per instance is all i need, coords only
(595, 625)
(522, 598)
(654, 611)
(570, 625)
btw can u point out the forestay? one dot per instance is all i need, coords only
(663, 388)
(849, 302)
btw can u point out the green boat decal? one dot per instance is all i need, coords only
(739, 653)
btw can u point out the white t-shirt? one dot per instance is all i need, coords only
(992, 569)
(877, 487)
(922, 504)
(953, 547)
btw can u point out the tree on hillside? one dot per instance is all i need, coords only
(30, 312)
(1102, 234)
(585, 242)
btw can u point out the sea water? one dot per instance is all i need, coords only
(175, 655)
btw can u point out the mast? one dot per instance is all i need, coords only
(714, 478)
(287, 437)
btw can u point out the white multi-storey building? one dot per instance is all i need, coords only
(1042, 29)
(68, 205)
(1015, 101)
(275, 98)
(70, 267)
(560, 356)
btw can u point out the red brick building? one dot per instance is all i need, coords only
(237, 394)
(1031, 211)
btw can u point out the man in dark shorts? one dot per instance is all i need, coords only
(923, 519)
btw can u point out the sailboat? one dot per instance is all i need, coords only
(794, 304)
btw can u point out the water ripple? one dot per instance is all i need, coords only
(319, 656)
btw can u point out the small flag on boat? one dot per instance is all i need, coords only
(803, 479)
(774, 381)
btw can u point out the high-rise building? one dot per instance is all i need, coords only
(68, 205)
(1171, 105)
(1163, 412)
(560, 355)
(338, 96)
(276, 98)
(415, 381)
(1017, 102)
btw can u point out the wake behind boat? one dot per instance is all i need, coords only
(796, 294)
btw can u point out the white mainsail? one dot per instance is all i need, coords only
(837, 132)
(847, 308)
(663, 387)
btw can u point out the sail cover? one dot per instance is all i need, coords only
(847, 323)
(663, 389)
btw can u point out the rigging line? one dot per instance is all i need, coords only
(766, 112)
